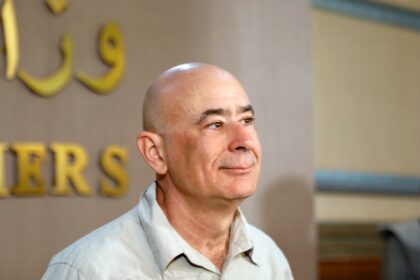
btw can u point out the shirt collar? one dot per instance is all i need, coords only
(167, 244)
(158, 230)
(241, 241)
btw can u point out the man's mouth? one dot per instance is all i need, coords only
(238, 170)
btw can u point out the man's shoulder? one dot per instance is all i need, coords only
(121, 240)
(102, 238)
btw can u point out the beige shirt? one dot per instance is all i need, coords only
(142, 244)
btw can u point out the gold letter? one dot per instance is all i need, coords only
(57, 6)
(11, 38)
(66, 171)
(52, 84)
(29, 159)
(114, 170)
(111, 50)
(3, 191)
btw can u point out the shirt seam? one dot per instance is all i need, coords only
(70, 265)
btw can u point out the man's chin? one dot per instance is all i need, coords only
(241, 192)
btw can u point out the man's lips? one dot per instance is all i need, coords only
(237, 170)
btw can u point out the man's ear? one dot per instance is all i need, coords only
(151, 148)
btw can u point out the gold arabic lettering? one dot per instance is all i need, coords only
(111, 51)
(57, 6)
(11, 38)
(52, 84)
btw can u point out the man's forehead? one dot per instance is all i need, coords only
(226, 101)
(198, 81)
(193, 92)
(223, 111)
(209, 92)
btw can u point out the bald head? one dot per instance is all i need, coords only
(167, 92)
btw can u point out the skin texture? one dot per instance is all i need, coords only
(199, 138)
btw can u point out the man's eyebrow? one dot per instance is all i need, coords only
(223, 112)
(247, 108)
(211, 112)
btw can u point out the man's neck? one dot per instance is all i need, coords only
(206, 230)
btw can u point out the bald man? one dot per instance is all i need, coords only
(199, 138)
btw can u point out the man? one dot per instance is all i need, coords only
(200, 140)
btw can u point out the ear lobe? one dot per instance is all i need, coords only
(150, 147)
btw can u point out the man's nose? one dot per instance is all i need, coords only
(242, 138)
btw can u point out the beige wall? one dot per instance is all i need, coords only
(265, 43)
(366, 111)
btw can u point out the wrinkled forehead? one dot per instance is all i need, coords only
(194, 93)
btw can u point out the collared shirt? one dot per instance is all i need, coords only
(142, 244)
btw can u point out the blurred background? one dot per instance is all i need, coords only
(335, 88)
(366, 98)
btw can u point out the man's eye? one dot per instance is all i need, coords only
(248, 121)
(215, 125)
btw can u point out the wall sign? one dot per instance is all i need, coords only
(111, 51)
(69, 163)
(69, 160)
